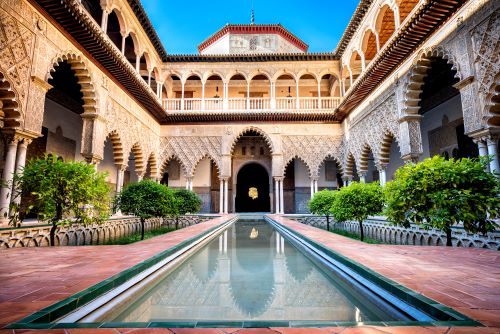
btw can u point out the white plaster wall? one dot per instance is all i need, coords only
(202, 175)
(71, 124)
(221, 46)
(433, 119)
(322, 182)
(301, 174)
(240, 44)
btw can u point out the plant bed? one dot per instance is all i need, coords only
(354, 236)
(130, 239)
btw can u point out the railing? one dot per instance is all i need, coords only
(252, 104)
(379, 229)
(94, 234)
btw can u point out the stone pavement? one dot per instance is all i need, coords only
(467, 280)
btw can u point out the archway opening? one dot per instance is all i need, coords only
(252, 189)
(440, 104)
(114, 29)
(260, 92)
(385, 25)
(62, 123)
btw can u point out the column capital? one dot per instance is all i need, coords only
(121, 167)
(278, 178)
(92, 159)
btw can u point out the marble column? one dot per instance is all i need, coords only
(277, 194)
(483, 150)
(382, 175)
(8, 173)
(21, 161)
(221, 197)
(492, 152)
(282, 202)
(120, 172)
(315, 186)
(226, 196)
(312, 188)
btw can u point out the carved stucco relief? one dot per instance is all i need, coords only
(312, 150)
(370, 128)
(190, 150)
(16, 48)
(130, 130)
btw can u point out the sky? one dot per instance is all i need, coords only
(182, 25)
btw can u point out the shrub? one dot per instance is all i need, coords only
(186, 202)
(356, 202)
(61, 192)
(321, 204)
(146, 199)
(439, 193)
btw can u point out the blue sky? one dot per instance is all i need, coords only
(182, 25)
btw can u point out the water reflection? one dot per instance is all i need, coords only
(249, 272)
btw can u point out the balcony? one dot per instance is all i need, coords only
(251, 105)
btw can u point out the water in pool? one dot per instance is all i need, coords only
(249, 272)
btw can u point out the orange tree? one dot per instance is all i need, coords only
(356, 202)
(321, 203)
(439, 193)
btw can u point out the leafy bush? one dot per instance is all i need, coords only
(356, 202)
(321, 204)
(186, 201)
(62, 192)
(146, 199)
(439, 193)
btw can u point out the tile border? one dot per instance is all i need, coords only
(41, 319)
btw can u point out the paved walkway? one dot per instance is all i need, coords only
(34, 278)
(466, 279)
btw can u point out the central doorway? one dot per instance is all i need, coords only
(252, 189)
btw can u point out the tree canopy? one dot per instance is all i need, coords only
(146, 199)
(356, 202)
(62, 192)
(439, 193)
(321, 204)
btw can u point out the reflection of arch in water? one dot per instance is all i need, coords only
(297, 264)
(252, 286)
(204, 263)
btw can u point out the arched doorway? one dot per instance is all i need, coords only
(252, 189)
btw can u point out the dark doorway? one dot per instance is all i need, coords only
(252, 189)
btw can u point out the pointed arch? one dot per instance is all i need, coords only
(83, 76)
(173, 156)
(152, 166)
(385, 148)
(206, 156)
(10, 111)
(363, 158)
(117, 145)
(297, 157)
(493, 103)
(350, 164)
(237, 136)
(332, 157)
(418, 73)
(139, 158)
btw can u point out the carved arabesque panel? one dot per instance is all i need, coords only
(312, 150)
(190, 150)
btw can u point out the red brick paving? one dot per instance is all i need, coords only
(34, 278)
(466, 279)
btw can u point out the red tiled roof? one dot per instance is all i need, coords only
(254, 29)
